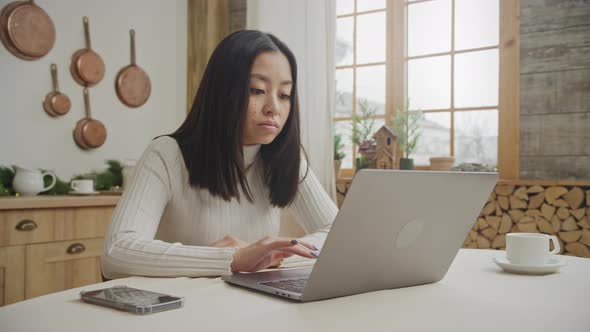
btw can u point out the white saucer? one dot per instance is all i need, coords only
(84, 193)
(551, 267)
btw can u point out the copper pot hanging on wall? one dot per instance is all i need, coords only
(56, 103)
(86, 66)
(89, 133)
(132, 84)
(26, 30)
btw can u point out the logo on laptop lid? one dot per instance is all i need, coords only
(409, 233)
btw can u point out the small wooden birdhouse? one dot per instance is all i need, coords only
(386, 148)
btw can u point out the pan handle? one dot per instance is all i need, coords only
(54, 77)
(132, 33)
(87, 103)
(87, 32)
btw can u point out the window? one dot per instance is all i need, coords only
(452, 77)
(360, 53)
(441, 57)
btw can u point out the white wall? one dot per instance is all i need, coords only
(29, 137)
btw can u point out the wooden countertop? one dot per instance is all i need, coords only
(48, 201)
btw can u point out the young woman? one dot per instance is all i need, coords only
(206, 199)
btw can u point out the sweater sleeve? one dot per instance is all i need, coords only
(314, 211)
(130, 246)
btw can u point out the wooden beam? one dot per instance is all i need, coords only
(396, 54)
(396, 73)
(208, 24)
(509, 91)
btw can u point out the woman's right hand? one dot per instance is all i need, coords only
(267, 251)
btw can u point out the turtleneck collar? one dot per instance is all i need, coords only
(250, 153)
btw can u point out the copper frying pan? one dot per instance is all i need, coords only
(86, 66)
(4, 31)
(132, 84)
(26, 30)
(80, 124)
(89, 133)
(56, 103)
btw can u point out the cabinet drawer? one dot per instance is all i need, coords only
(53, 267)
(44, 225)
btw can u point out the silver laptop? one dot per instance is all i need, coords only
(395, 229)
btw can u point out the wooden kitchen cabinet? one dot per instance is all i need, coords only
(51, 243)
(12, 274)
(52, 267)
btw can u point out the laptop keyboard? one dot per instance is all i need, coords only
(292, 285)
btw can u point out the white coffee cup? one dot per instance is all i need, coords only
(530, 248)
(83, 186)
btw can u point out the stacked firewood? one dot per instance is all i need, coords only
(556, 210)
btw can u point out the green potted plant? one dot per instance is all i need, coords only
(338, 154)
(407, 125)
(6, 176)
(363, 124)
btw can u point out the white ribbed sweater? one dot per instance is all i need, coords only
(162, 226)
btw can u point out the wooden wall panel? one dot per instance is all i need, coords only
(573, 167)
(530, 136)
(566, 134)
(536, 167)
(555, 92)
(555, 50)
(543, 15)
(565, 168)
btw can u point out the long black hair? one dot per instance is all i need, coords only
(211, 136)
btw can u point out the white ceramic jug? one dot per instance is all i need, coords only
(29, 182)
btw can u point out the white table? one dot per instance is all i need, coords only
(475, 295)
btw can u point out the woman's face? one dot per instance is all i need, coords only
(269, 103)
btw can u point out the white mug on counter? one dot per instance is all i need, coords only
(530, 248)
(82, 186)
